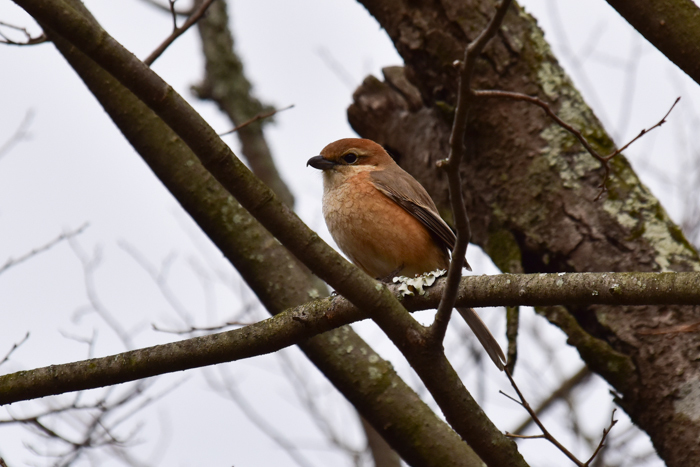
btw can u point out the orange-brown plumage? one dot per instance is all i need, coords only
(385, 221)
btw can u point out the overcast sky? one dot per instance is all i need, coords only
(76, 168)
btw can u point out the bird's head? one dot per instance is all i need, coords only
(350, 156)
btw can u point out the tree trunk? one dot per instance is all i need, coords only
(530, 187)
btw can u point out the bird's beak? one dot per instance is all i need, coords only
(318, 162)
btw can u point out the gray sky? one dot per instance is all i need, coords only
(76, 168)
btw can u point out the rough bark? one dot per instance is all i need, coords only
(529, 189)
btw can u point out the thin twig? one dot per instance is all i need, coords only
(67, 235)
(177, 32)
(577, 133)
(546, 434)
(167, 8)
(606, 432)
(15, 346)
(90, 265)
(20, 134)
(228, 389)
(193, 329)
(171, 4)
(561, 392)
(30, 40)
(259, 116)
(464, 104)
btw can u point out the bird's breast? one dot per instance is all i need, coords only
(375, 233)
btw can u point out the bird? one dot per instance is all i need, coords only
(385, 222)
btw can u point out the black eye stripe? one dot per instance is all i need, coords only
(350, 158)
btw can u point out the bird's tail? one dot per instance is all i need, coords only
(484, 335)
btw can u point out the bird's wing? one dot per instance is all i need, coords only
(405, 191)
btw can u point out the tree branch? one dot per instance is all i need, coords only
(177, 32)
(64, 236)
(672, 26)
(298, 324)
(29, 40)
(465, 99)
(604, 160)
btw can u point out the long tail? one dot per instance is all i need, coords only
(484, 335)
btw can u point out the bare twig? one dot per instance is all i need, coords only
(309, 400)
(29, 39)
(177, 32)
(90, 264)
(91, 425)
(577, 133)
(337, 68)
(67, 235)
(228, 389)
(464, 103)
(171, 4)
(562, 391)
(606, 432)
(546, 434)
(193, 329)
(168, 8)
(20, 134)
(160, 278)
(259, 116)
(15, 346)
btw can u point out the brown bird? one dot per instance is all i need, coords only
(385, 221)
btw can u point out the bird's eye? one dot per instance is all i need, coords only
(350, 158)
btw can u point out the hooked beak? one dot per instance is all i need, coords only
(318, 162)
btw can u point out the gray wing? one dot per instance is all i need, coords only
(405, 191)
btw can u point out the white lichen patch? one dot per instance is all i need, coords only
(374, 373)
(688, 402)
(616, 208)
(411, 285)
(666, 247)
(572, 167)
(314, 294)
(640, 210)
(550, 78)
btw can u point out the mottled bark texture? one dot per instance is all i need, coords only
(226, 84)
(529, 188)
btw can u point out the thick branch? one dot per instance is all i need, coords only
(465, 98)
(299, 324)
(672, 26)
